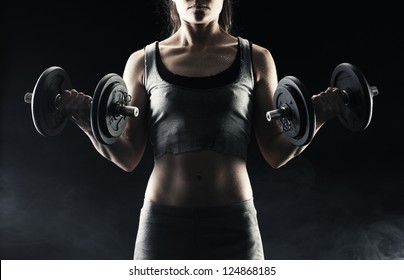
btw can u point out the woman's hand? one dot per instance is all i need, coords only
(76, 106)
(328, 104)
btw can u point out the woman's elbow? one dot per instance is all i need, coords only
(127, 167)
(275, 158)
(275, 164)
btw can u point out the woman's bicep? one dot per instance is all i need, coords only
(264, 90)
(136, 128)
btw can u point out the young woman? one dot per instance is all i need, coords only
(200, 92)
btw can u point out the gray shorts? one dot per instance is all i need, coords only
(228, 232)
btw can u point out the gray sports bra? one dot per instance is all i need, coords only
(186, 118)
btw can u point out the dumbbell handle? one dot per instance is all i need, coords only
(124, 110)
(28, 97)
(119, 109)
(347, 98)
(278, 113)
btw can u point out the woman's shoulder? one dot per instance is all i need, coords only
(136, 58)
(263, 60)
(260, 51)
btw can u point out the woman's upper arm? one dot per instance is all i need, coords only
(274, 146)
(136, 127)
(266, 81)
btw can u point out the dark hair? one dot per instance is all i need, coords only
(174, 23)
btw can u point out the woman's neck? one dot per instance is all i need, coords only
(199, 36)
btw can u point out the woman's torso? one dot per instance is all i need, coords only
(198, 178)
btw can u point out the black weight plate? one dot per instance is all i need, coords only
(358, 114)
(115, 123)
(47, 120)
(299, 124)
(105, 124)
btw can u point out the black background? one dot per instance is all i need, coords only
(341, 199)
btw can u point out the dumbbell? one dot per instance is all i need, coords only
(294, 109)
(109, 110)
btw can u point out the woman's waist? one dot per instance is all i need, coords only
(202, 178)
(197, 195)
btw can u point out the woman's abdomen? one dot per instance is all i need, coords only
(199, 179)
